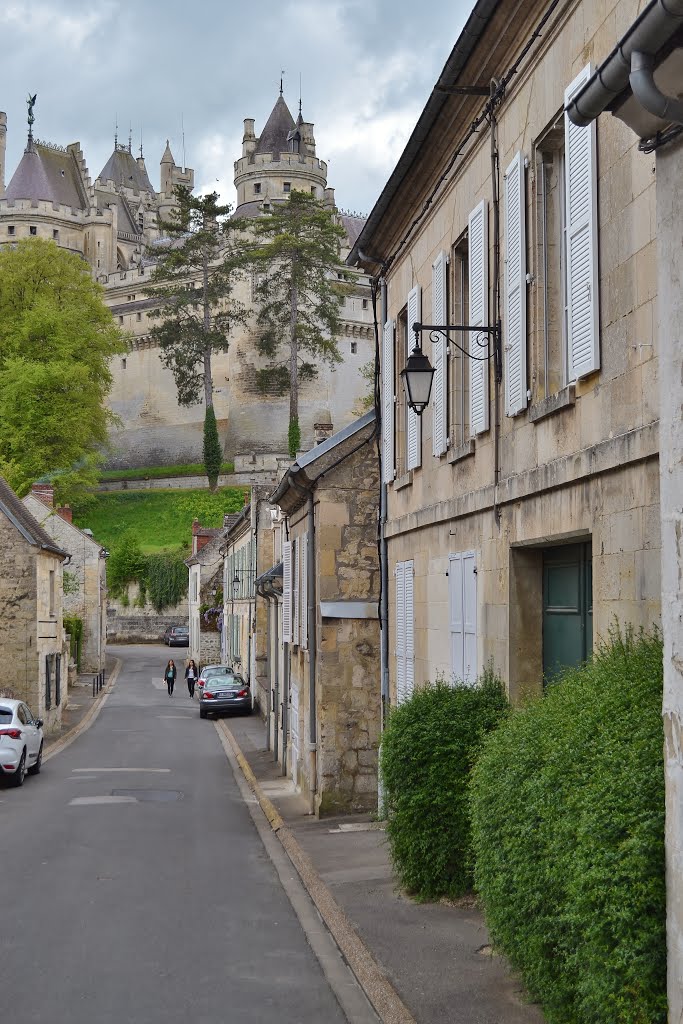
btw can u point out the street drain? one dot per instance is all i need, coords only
(151, 796)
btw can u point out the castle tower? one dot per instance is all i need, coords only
(170, 175)
(281, 159)
(3, 145)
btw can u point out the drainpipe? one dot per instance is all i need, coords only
(384, 582)
(312, 656)
(269, 663)
(646, 92)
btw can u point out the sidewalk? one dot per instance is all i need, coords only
(436, 956)
(79, 702)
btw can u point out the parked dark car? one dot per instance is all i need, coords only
(177, 636)
(221, 694)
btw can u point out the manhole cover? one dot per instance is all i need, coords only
(151, 796)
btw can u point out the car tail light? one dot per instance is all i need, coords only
(243, 693)
(207, 696)
(14, 734)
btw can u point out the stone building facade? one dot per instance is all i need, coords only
(32, 636)
(87, 563)
(522, 507)
(113, 222)
(326, 726)
(205, 585)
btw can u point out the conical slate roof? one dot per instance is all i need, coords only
(49, 174)
(167, 158)
(278, 126)
(123, 169)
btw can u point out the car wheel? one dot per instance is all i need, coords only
(20, 774)
(202, 713)
(35, 769)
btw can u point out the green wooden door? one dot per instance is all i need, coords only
(567, 607)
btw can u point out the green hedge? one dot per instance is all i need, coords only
(568, 834)
(428, 750)
(74, 627)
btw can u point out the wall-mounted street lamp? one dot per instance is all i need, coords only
(418, 372)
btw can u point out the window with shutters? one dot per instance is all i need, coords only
(405, 631)
(550, 270)
(458, 370)
(287, 591)
(462, 599)
(440, 351)
(566, 251)
(296, 559)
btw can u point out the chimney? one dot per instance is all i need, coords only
(45, 493)
(195, 527)
(247, 499)
(65, 512)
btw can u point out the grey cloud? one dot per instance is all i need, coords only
(367, 70)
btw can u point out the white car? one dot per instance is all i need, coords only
(21, 741)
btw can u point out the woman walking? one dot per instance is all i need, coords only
(191, 675)
(169, 676)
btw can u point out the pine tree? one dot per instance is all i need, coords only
(300, 284)
(198, 264)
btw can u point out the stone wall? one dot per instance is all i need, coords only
(133, 625)
(18, 614)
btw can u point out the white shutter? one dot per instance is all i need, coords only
(388, 402)
(515, 288)
(469, 604)
(303, 588)
(413, 421)
(582, 243)
(440, 350)
(400, 650)
(478, 258)
(409, 627)
(456, 615)
(296, 544)
(287, 591)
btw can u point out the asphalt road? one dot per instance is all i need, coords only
(135, 886)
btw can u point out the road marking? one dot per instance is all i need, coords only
(89, 800)
(153, 771)
(184, 718)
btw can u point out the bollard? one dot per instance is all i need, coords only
(94, 683)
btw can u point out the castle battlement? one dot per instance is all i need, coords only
(34, 207)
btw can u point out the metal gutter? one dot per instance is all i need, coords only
(462, 51)
(652, 29)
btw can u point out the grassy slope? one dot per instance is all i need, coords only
(162, 520)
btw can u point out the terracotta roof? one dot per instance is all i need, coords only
(47, 174)
(22, 520)
(123, 169)
(273, 138)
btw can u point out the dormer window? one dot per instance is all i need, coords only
(287, 186)
(257, 188)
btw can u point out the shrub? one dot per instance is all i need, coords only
(212, 452)
(428, 750)
(568, 833)
(74, 627)
(293, 438)
(126, 564)
(165, 580)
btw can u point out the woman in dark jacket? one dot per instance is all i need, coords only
(191, 675)
(169, 676)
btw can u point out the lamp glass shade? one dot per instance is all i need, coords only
(417, 380)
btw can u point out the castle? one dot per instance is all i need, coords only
(113, 222)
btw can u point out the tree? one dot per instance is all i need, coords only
(213, 455)
(197, 267)
(301, 287)
(56, 340)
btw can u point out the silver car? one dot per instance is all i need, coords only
(224, 693)
(21, 741)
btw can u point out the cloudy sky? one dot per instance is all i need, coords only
(367, 69)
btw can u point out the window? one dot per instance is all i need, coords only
(401, 404)
(287, 186)
(287, 591)
(99, 244)
(138, 317)
(354, 347)
(55, 234)
(51, 593)
(141, 220)
(48, 682)
(10, 229)
(120, 318)
(462, 601)
(58, 680)
(405, 631)
(33, 230)
(458, 373)
(313, 190)
(296, 560)
(123, 364)
(257, 188)
(365, 303)
(550, 260)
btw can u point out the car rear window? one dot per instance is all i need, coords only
(5, 714)
(227, 681)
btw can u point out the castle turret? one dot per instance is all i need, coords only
(3, 145)
(280, 160)
(171, 175)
